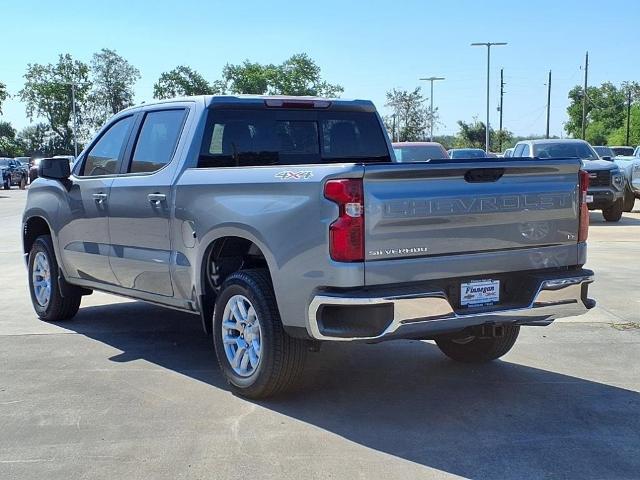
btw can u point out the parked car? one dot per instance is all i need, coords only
(627, 166)
(606, 181)
(407, 152)
(622, 150)
(467, 153)
(604, 152)
(508, 153)
(33, 169)
(13, 173)
(636, 152)
(284, 223)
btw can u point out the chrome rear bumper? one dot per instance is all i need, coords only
(418, 315)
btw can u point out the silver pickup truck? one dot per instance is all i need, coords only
(285, 222)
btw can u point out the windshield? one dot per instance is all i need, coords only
(467, 153)
(419, 153)
(4, 162)
(604, 151)
(565, 150)
(624, 151)
(291, 137)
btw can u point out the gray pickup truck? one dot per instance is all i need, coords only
(285, 222)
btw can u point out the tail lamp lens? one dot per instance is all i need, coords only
(346, 234)
(583, 230)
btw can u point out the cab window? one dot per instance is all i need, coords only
(104, 157)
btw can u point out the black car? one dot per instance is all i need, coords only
(13, 173)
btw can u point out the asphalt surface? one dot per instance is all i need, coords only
(128, 390)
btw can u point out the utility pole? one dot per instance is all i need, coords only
(548, 103)
(431, 79)
(628, 113)
(393, 128)
(584, 95)
(501, 107)
(488, 45)
(73, 110)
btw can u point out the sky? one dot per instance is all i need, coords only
(368, 47)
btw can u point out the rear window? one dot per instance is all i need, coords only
(565, 150)
(291, 137)
(419, 153)
(468, 153)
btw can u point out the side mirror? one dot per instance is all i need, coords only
(54, 168)
(607, 157)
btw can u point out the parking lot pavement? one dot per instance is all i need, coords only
(128, 390)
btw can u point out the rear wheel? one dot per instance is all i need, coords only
(614, 212)
(475, 349)
(7, 183)
(256, 356)
(23, 183)
(629, 200)
(46, 297)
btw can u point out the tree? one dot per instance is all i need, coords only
(412, 117)
(619, 136)
(248, 77)
(47, 94)
(181, 81)
(605, 107)
(472, 134)
(3, 95)
(113, 80)
(298, 75)
(8, 145)
(36, 140)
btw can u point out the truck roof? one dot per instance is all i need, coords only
(260, 101)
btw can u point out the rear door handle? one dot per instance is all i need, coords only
(157, 198)
(100, 197)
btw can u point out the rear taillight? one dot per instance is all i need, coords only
(583, 229)
(346, 234)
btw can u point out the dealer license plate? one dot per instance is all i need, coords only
(477, 293)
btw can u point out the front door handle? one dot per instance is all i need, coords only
(157, 198)
(100, 197)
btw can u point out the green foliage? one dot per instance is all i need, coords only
(47, 94)
(181, 81)
(37, 139)
(472, 134)
(410, 118)
(605, 112)
(113, 80)
(298, 75)
(619, 135)
(9, 147)
(3, 95)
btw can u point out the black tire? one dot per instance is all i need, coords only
(281, 356)
(23, 183)
(7, 184)
(58, 307)
(629, 200)
(479, 350)
(614, 212)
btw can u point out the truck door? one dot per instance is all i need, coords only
(84, 236)
(140, 204)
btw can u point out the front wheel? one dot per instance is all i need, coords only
(7, 183)
(614, 212)
(256, 356)
(629, 200)
(23, 183)
(474, 349)
(46, 297)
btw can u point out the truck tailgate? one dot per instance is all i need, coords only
(484, 206)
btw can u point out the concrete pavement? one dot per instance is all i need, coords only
(129, 390)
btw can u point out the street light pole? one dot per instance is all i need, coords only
(74, 113)
(431, 79)
(488, 45)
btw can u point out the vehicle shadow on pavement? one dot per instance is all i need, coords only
(404, 398)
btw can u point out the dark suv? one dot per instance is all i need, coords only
(606, 181)
(13, 173)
